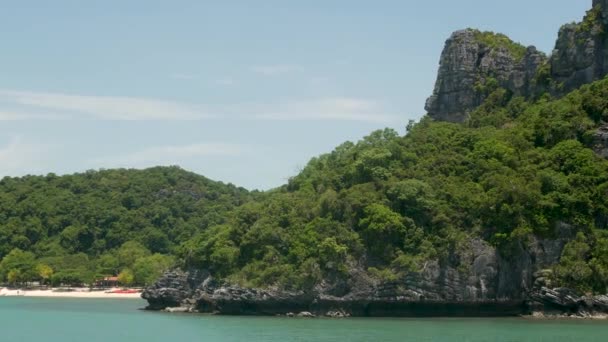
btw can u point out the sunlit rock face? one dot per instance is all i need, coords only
(470, 68)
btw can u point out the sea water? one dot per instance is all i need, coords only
(106, 320)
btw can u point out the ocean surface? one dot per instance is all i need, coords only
(106, 320)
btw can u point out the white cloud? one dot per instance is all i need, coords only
(336, 109)
(47, 105)
(18, 157)
(274, 70)
(171, 155)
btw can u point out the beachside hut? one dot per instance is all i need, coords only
(107, 282)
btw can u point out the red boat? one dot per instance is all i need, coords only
(125, 291)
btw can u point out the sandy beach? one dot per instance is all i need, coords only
(77, 293)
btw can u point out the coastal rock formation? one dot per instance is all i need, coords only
(478, 281)
(564, 302)
(474, 63)
(175, 289)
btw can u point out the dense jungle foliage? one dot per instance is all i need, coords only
(385, 204)
(82, 227)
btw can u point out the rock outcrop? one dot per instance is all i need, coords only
(176, 288)
(473, 63)
(581, 52)
(564, 302)
(600, 141)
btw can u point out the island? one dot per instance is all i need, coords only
(494, 204)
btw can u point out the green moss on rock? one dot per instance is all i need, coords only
(498, 40)
(592, 22)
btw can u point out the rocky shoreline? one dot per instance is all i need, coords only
(198, 292)
(566, 303)
(477, 281)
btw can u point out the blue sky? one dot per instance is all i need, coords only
(237, 90)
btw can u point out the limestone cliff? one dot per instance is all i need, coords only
(474, 63)
(581, 52)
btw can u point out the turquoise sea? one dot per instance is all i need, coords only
(105, 320)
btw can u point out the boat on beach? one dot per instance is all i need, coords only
(125, 291)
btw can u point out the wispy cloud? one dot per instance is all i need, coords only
(335, 109)
(171, 155)
(22, 105)
(19, 157)
(47, 105)
(21, 115)
(274, 70)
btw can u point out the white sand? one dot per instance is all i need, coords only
(77, 293)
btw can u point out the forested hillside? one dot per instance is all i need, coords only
(77, 228)
(389, 204)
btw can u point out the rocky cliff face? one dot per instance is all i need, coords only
(581, 52)
(473, 63)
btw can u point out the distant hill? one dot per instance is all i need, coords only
(89, 216)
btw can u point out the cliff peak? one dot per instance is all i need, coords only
(474, 63)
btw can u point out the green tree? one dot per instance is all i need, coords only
(45, 272)
(126, 277)
(333, 255)
(107, 264)
(383, 230)
(148, 269)
(130, 252)
(21, 263)
(76, 277)
(14, 276)
(599, 265)
(573, 269)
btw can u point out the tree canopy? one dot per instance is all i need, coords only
(77, 228)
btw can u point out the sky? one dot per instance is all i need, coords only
(240, 91)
